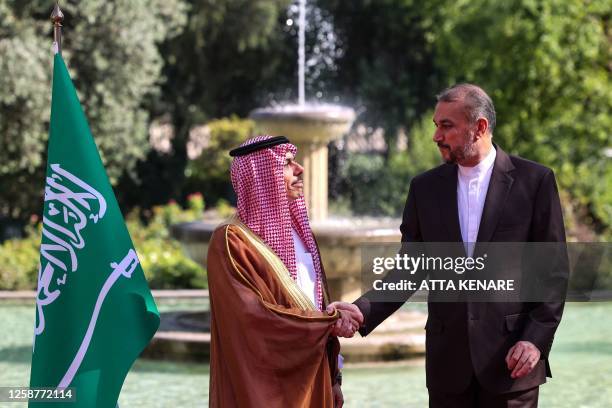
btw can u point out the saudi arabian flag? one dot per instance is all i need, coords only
(94, 311)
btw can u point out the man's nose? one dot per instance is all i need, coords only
(437, 136)
(297, 169)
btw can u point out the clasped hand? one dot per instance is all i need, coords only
(350, 319)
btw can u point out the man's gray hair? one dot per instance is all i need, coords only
(477, 102)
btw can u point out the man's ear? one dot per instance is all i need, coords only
(482, 127)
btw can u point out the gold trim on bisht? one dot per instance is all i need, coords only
(279, 268)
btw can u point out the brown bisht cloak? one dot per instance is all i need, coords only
(269, 347)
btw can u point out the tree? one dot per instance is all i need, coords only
(25, 73)
(111, 49)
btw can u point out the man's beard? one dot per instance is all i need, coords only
(460, 153)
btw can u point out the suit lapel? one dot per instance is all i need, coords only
(499, 187)
(449, 212)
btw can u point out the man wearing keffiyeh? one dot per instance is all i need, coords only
(273, 336)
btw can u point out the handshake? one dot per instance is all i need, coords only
(350, 319)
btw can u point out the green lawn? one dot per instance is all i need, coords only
(581, 361)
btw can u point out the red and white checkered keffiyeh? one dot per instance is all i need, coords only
(263, 205)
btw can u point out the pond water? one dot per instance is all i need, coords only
(581, 362)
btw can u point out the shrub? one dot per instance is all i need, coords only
(210, 172)
(167, 267)
(19, 260)
(164, 262)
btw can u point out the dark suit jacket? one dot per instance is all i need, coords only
(469, 338)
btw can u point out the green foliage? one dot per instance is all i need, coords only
(423, 153)
(111, 50)
(591, 187)
(362, 173)
(19, 259)
(25, 75)
(376, 187)
(210, 172)
(224, 209)
(164, 262)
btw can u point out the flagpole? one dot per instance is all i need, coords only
(57, 17)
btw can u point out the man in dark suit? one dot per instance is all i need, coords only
(479, 354)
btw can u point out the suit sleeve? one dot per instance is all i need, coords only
(547, 226)
(374, 312)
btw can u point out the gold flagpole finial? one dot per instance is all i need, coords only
(57, 17)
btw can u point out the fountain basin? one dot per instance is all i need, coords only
(182, 336)
(185, 336)
(308, 124)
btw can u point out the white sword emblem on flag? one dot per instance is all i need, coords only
(127, 265)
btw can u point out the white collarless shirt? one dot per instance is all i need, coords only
(472, 187)
(306, 274)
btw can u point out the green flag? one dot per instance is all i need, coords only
(94, 311)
